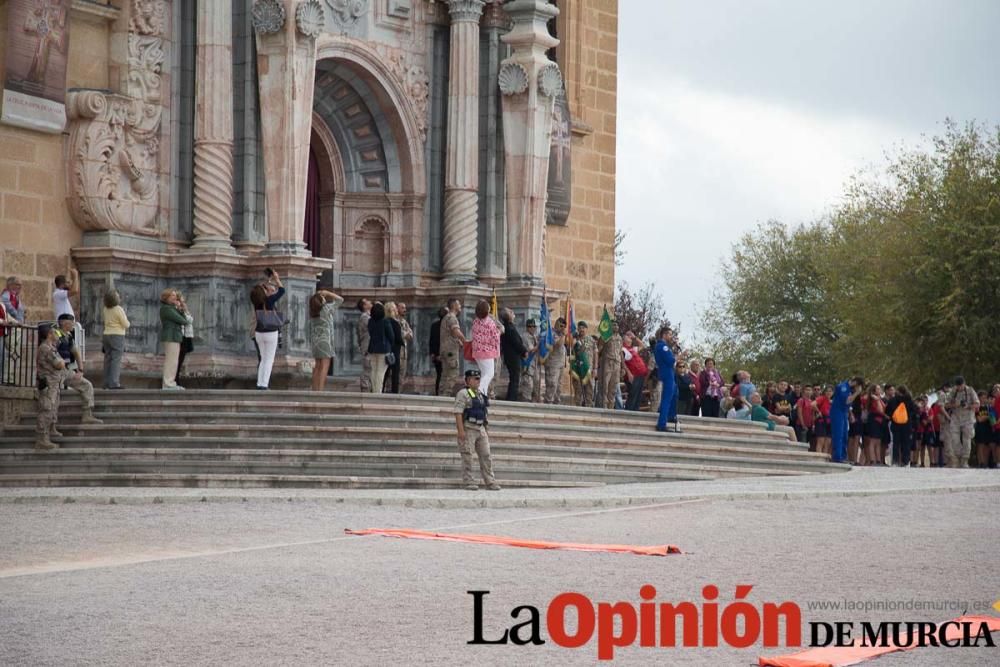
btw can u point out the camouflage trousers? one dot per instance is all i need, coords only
(48, 409)
(553, 380)
(80, 385)
(476, 439)
(609, 386)
(583, 392)
(451, 369)
(528, 389)
(957, 444)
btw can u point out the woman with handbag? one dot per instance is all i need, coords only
(380, 343)
(393, 371)
(187, 331)
(171, 321)
(266, 323)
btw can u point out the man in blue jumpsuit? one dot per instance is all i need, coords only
(665, 369)
(839, 408)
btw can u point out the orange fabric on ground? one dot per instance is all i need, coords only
(832, 656)
(514, 542)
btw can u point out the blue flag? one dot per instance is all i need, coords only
(545, 337)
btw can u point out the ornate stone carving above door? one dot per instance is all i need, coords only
(346, 13)
(113, 173)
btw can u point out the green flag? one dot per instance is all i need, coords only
(604, 328)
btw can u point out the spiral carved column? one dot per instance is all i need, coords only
(461, 196)
(213, 128)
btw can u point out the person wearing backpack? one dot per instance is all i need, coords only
(903, 413)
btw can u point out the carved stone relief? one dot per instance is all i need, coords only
(550, 81)
(414, 81)
(346, 13)
(268, 16)
(309, 18)
(513, 79)
(114, 138)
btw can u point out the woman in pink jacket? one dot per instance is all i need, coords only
(485, 344)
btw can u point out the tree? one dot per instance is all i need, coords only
(771, 314)
(618, 246)
(898, 283)
(640, 312)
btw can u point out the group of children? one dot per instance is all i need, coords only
(874, 411)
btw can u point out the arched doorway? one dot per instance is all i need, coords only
(365, 194)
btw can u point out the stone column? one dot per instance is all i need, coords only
(529, 84)
(213, 128)
(461, 198)
(492, 232)
(286, 69)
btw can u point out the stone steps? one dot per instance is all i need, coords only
(416, 449)
(331, 440)
(184, 436)
(241, 481)
(328, 427)
(306, 402)
(362, 464)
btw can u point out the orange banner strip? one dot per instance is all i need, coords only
(663, 550)
(833, 656)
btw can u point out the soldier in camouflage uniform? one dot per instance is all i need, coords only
(471, 419)
(72, 376)
(404, 355)
(362, 338)
(583, 387)
(452, 344)
(611, 368)
(528, 390)
(48, 372)
(555, 362)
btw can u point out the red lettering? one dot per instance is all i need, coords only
(793, 623)
(607, 640)
(668, 624)
(647, 617)
(555, 619)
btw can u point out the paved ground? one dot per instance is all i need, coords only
(268, 581)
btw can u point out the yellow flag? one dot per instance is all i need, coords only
(493, 306)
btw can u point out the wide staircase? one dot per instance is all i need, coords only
(243, 439)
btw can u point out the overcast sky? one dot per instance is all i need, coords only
(732, 112)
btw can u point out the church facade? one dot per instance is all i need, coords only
(404, 150)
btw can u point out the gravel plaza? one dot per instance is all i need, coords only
(154, 576)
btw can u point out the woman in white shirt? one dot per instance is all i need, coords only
(113, 340)
(187, 333)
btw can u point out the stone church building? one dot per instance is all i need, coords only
(405, 150)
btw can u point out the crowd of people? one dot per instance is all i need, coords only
(609, 369)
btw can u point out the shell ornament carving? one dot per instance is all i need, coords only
(550, 81)
(309, 18)
(267, 16)
(513, 79)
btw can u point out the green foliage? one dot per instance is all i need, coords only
(901, 282)
(640, 311)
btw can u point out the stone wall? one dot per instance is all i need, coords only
(36, 231)
(580, 255)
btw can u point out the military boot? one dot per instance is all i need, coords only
(89, 418)
(43, 442)
(54, 433)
